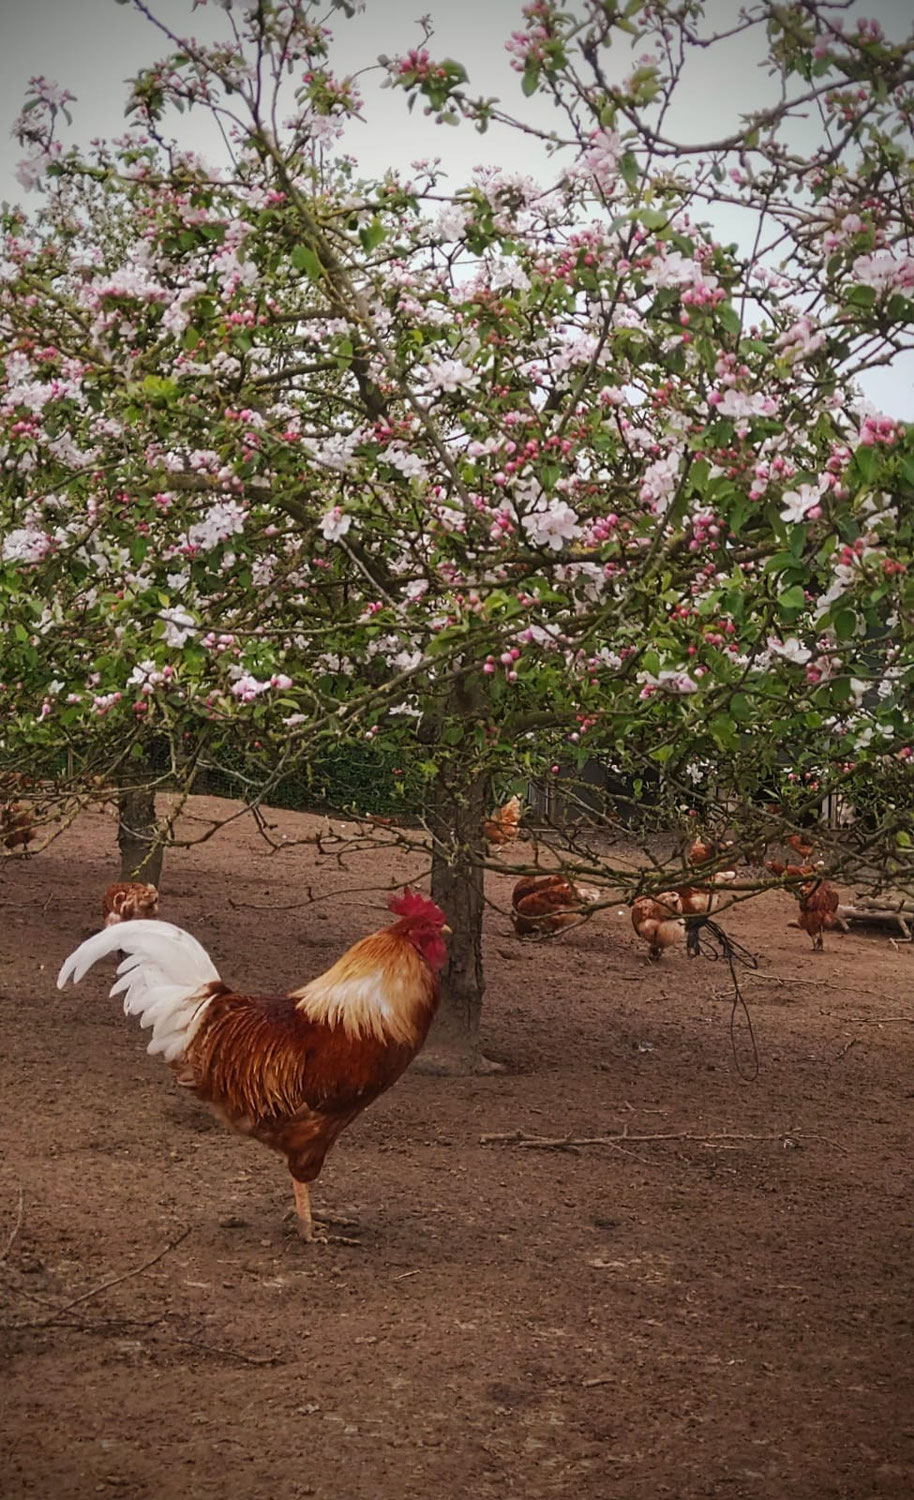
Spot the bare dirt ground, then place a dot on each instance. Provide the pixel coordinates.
(718, 1306)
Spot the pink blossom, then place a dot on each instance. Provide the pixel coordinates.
(885, 270)
(601, 159)
(247, 688)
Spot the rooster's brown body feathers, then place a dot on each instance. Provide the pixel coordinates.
(292, 1083)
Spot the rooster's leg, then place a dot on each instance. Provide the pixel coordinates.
(307, 1228)
(303, 1209)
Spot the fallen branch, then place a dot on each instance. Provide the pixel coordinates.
(898, 904)
(881, 917)
(16, 1227)
(105, 1285)
(875, 1020)
(247, 1359)
(573, 1143)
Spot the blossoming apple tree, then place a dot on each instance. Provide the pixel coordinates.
(504, 475)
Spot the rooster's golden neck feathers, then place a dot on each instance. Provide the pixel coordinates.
(381, 988)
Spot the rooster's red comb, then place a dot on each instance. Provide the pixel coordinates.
(413, 904)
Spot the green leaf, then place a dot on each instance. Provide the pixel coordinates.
(304, 259)
(779, 561)
(792, 598)
(845, 623)
(866, 462)
(738, 515)
(861, 296)
(729, 319)
(628, 166)
(531, 79)
(698, 474)
(372, 234)
(722, 729)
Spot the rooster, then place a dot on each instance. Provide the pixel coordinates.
(290, 1070)
(656, 919)
(17, 826)
(127, 900)
(819, 902)
(542, 904)
(504, 824)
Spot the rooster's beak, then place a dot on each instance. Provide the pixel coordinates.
(449, 931)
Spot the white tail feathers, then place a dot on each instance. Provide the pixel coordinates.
(161, 977)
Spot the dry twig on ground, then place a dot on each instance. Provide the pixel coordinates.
(105, 1285)
(16, 1227)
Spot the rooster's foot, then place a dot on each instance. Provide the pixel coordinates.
(321, 1237)
(316, 1233)
(339, 1220)
(312, 1231)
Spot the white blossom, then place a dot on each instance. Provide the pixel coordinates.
(179, 626)
(885, 270)
(790, 650)
(798, 503)
(449, 375)
(25, 545)
(660, 481)
(410, 465)
(746, 404)
(451, 222)
(335, 524)
(224, 519)
(552, 525)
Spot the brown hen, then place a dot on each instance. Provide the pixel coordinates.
(819, 901)
(503, 825)
(657, 922)
(17, 825)
(546, 903)
(127, 900)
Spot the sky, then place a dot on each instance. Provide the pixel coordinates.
(92, 46)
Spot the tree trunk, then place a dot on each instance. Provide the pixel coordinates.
(137, 834)
(460, 806)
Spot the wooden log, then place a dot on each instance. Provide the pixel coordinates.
(885, 918)
(886, 903)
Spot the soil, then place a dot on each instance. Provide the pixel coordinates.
(717, 1305)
